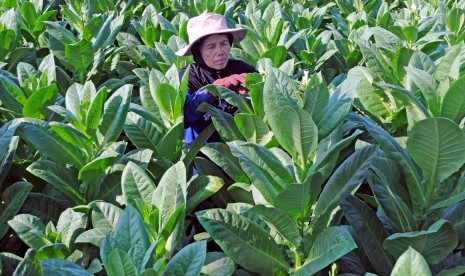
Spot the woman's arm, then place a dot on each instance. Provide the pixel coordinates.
(193, 100)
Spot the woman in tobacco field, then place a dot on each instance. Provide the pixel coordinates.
(210, 42)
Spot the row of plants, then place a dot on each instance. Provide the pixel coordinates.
(346, 156)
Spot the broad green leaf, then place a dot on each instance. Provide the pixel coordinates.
(410, 33)
(394, 208)
(376, 62)
(244, 241)
(231, 97)
(253, 128)
(220, 154)
(393, 150)
(165, 52)
(272, 15)
(456, 271)
(200, 188)
(373, 98)
(7, 156)
(297, 134)
(277, 92)
(94, 236)
(451, 63)
(188, 261)
(277, 54)
(137, 184)
(171, 192)
(386, 39)
(9, 42)
(344, 181)
(256, 96)
(48, 69)
(169, 230)
(62, 267)
(316, 99)
(114, 115)
(30, 230)
(455, 20)
(328, 247)
(44, 207)
(141, 157)
(402, 58)
(48, 143)
(142, 132)
(339, 105)
(11, 95)
(170, 146)
(370, 231)
(72, 136)
(120, 264)
(95, 111)
(130, 236)
(105, 215)
(60, 177)
(60, 33)
(9, 263)
(12, 198)
(70, 225)
(435, 244)
(224, 123)
(97, 166)
(410, 263)
(56, 250)
(428, 88)
(263, 168)
(148, 258)
(448, 201)
(106, 32)
(36, 105)
(198, 143)
(456, 216)
(165, 98)
(437, 145)
(453, 104)
(241, 192)
(295, 198)
(280, 222)
(7, 133)
(110, 187)
(328, 149)
(218, 264)
(80, 55)
(69, 116)
(29, 265)
(422, 61)
(75, 99)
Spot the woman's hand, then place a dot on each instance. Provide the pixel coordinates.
(233, 82)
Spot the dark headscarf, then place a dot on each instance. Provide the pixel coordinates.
(205, 74)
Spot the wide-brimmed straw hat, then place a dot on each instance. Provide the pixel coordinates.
(208, 24)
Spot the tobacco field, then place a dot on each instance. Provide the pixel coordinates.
(346, 157)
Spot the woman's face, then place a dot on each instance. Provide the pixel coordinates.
(215, 51)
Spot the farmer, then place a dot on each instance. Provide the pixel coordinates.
(210, 42)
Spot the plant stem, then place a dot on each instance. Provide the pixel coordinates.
(298, 262)
(429, 192)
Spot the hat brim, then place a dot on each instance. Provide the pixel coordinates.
(237, 34)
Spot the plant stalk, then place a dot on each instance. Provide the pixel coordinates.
(298, 261)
